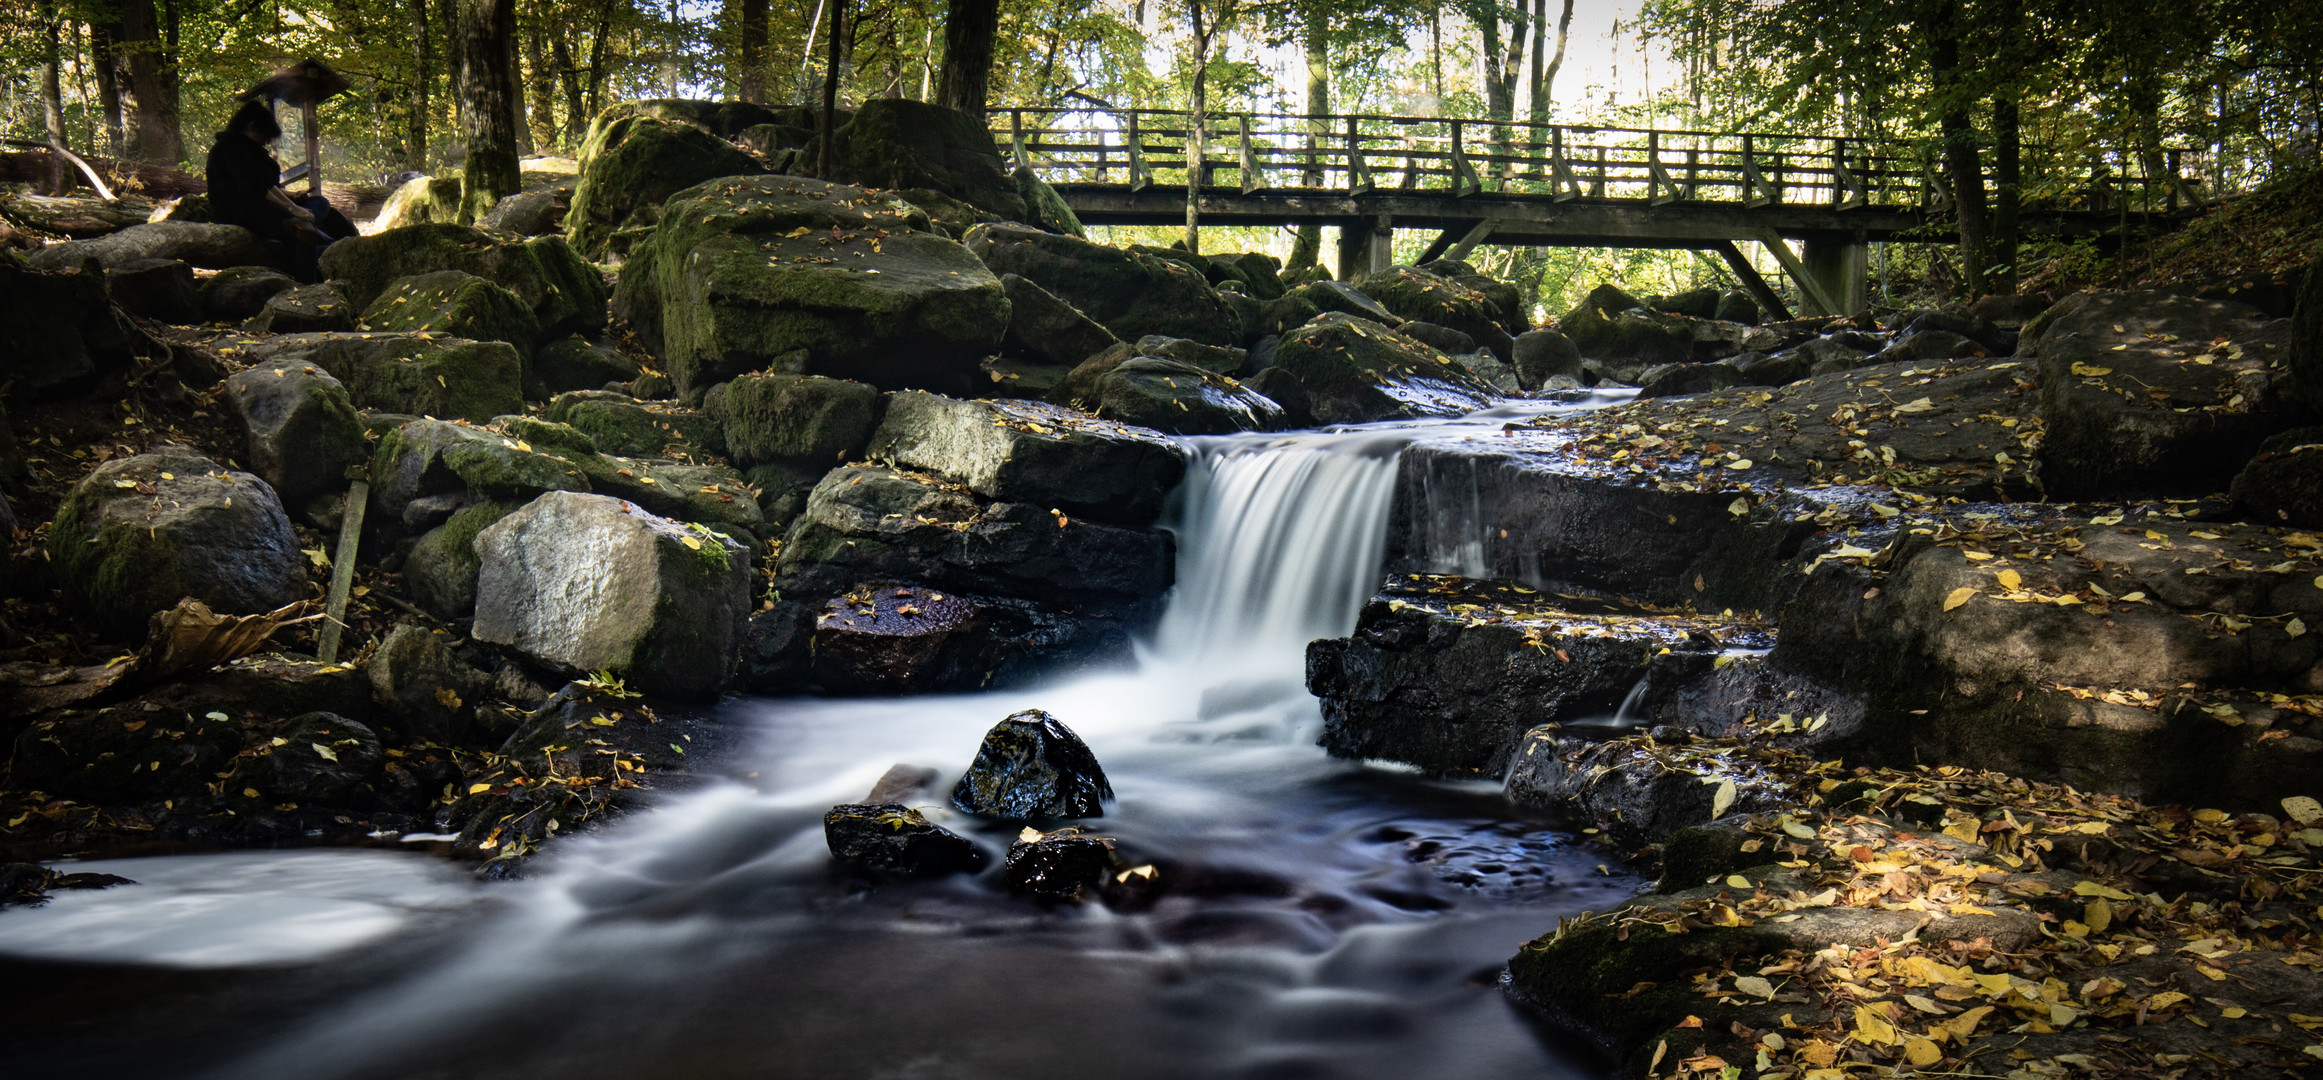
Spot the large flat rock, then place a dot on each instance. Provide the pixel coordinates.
(1035, 453)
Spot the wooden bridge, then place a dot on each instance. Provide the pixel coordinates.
(1510, 182)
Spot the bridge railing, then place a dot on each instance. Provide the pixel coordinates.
(1367, 153)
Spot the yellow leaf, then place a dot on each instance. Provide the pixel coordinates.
(2009, 579)
(2091, 888)
(1922, 1052)
(1959, 596)
(1737, 881)
(1722, 800)
(2302, 809)
(250, 793)
(2086, 371)
(2098, 914)
(690, 542)
(474, 789)
(324, 752)
(1871, 1027)
(1963, 830)
(1739, 507)
(2210, 817)
(1964, 1025)
(1923, 1004)
(1918, 406)
(2295, 627)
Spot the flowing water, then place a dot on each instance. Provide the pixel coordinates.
(1317, 918)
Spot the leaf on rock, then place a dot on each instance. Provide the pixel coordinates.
(1756, 986)
(2303, 809)
(1722, 800)
(1959, 596)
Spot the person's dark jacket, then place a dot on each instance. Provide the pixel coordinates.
(240, 173)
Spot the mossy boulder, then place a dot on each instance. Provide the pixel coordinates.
(1130, 293)
(627, 427)
(631, 164)
(455, 304)
(241, 292)
(300, 432)
(1044, 208)
(424, 458)
(421, 200)
(1181, 399)
(441, 569)
(418, 374)
(805, 419)
(158, 289)
(142, 532)
(567, 295)
(1339, 369)
(576, 363)
(1418, 296)
(713, 495)
(900, 143)
(320, 308)
(1032, 452)
(827, 279)
(1045, 329)
(666, 605)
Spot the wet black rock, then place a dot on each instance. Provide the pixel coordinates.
(319, 757)
(1032, 767)
(1057, 866)
(29, 884)
(2284, 483)
(1542, 355)
(895, 839)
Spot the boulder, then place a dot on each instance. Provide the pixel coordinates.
(316, 757)
(895, 839)
(1781, 369)
(412, 374)
(1221, 359)
(1260, 271)
(299, 429)
(1044, 328)
(1625, 338)
(1059, 867)
(142, 532)
(665, 605)
(441, 569)
(320, 308)
(1541, 355)
(1931, 344)
(1739, 308)
(1507, 304)
(1182, 399)
(624, 426)
(1034, 453)
(422, 200)
(60, 327)
(1043, 207)
(1031, 767)
(575, 363)
(211, 247)
(238, 293)
(2305, 355)
(1443, 339)
(806, 419)
(2147, 392)
(711, 495)
(2010, 312)
(567, 295)
(429, 690)
(821, 279)
(1130, 293)
(2284, 481)
(901, 143)
(890, 638)
(631, 165)
(424, 459)
(1340, 369)
(1493, 371)
(875, 524)
(1679, 379)
(530, 213)
(455, 304)
(1414, 295)
(157, 289)
(1324, 296)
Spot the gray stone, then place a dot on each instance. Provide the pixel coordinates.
(299, 427)
(1030, 452)
(1540, 355)
(142, 532)
(1340, 369)
(665, 605)
(415, 374)
(441, 569)
(1130, 293)
(1182, 399)
(806, 419)
(429, 689)
(240, 292)
(211, 247)
(575, 363)
(457, 304)
(567, 295)
(306, 309)
(1044, 328)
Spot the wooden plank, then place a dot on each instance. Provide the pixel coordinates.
(1768, 299)
(1441, 244)
(1563, 187)
(342, 573)
(1140, 174)
(1808, 286)
(1475, 236)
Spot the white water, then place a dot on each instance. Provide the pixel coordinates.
(1325, 919)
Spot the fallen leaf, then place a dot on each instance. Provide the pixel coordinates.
(1958, 597)
(2009, 579)
(1756, 986)
(1722, 800)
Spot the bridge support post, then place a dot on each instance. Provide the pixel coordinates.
(1366, 247)
(1843, 269)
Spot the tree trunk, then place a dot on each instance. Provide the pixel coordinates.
(52, 99)
(422, 79)
(2008, 191)
(484, 50)
(519, 90)
(838, 9)
(597, 58)
(576, 101)
(1195, 122)
(1503, 67)
(1962, 166)
(1544, 84)
(751, 55)
(807, 53)
(153, 88)
(540, 94)
(1307, 250)
(969, 31)
(103, 33)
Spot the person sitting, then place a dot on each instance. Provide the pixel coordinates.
(246, 190)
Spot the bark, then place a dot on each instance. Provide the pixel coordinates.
(1308, 248)
(484, 51)
(1197, 120)
(153, 86)
(969, 31)
(2008, 191)
(838, 9)
(540, 93)
(1544, 85)
(807, 53)
(52, 99)
(569, 77)
(102, 36)
(751, 53)
(422, 79)
(1962, 167)
(597, 57)
(1503, 66)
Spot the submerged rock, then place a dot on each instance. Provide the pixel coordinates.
(895, 839)
(1061, 866)
(1033, 768)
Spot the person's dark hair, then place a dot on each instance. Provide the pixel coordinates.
(257, 114)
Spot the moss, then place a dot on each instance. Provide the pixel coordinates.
(548, 435)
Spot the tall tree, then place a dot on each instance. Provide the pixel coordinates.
(1209, 20)
(1953, 99)
(104, 63)
(52, 97)
(750, 51)
(415, 138)
(1544, 74)
(1503, 54)
(837, 36)
(150, 47)
(969, 31)
(484, 55)
(1315, 32)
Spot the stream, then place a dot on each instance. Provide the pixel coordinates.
(1316, 918)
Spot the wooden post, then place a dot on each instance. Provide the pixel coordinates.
(1597, 183)
(1809, 287)
(342, 571)
(1482, 232)
(1693, 173)
(1465, 182)
(1382, 250)
(1016, 137)
(1251, 181)
(1755, 191)
(314, 139)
